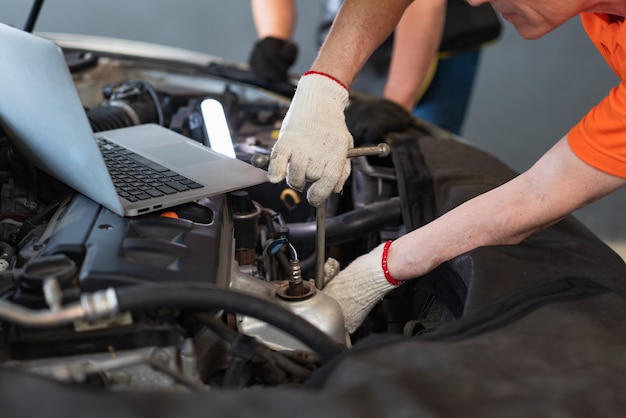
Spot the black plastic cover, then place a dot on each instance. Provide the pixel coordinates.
(117, 251)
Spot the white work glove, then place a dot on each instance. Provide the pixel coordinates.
(359, 287)
(314, 140)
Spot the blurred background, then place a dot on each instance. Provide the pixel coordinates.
(527, 95)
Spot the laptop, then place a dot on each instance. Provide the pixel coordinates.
(41, 112)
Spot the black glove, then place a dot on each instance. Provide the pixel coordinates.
(271, 58)
(369, 120)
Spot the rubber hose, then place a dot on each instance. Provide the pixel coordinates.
(350, 225)
(202, 298)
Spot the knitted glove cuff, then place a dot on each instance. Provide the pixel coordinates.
(312, 72)
(359, 287)
(318, 93)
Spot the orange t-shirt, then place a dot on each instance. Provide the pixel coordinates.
(599, 138)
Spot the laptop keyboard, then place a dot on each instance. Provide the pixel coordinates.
(137, 178)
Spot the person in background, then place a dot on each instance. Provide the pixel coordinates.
(587, 163)
(416, 68)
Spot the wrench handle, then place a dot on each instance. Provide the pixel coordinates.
(260, 160)
(380, 150)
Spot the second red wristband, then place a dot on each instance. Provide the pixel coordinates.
(386, 268)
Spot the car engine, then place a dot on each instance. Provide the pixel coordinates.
(215, 293)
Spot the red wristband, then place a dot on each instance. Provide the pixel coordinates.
(385, 268)
(325, 75)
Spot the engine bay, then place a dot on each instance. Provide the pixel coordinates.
(66, 261)
(217, 307)
(221, 298)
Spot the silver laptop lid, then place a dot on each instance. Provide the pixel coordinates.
(41, 111)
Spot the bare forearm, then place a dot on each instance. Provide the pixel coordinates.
(556, 185)
(359, 28)
(274, 18)
(416, 42)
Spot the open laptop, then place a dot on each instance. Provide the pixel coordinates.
(42, 113)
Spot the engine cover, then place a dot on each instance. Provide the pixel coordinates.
(112, 251)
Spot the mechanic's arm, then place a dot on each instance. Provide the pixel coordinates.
(274, 53)
(416, 43)
(359, 28)
(274, 18)
(555, 186)
(314, 140)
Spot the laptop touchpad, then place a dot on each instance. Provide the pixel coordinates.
(176, 155)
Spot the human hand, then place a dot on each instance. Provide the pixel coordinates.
(313, 142)
(369, 120)
(359, 287)
(272, 57)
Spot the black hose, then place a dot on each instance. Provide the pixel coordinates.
(279, 359)
(350, 225)
(195, 297)
(157, 103)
